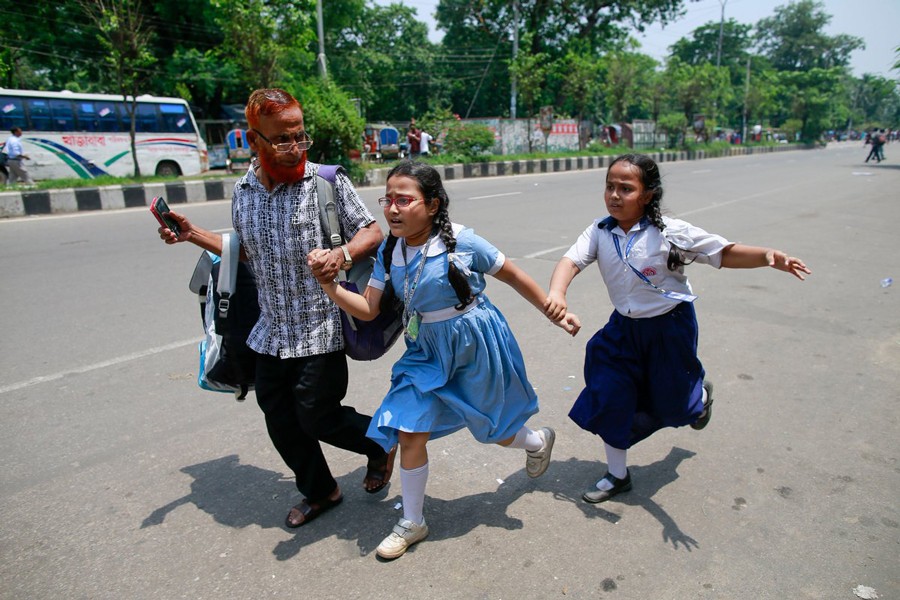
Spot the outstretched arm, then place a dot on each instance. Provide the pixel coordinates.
(740, 256)
(529, 289)
(555, 303)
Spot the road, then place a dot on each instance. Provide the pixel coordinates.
(120, 478)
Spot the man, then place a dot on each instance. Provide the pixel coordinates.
(424, 143)
(301, 373)
(414, 141)
(15, 157)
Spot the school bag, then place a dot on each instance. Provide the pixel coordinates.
(229, 308)
(363, 340)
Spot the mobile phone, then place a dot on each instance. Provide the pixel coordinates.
(160, 210)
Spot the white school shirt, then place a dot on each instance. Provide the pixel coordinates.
(647, 249)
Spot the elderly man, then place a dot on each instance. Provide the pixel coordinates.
(301, 373)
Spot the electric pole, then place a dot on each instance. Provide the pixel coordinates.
(320, 59)
(721, 29)
(515, 51)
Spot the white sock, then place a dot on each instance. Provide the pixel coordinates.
(527, 439)
(616, 465)
(704, 397)
(412, 485)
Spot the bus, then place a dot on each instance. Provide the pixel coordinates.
(67, 134)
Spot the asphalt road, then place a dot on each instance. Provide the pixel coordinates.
(120, 478)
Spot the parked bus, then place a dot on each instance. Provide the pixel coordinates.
(87, 135)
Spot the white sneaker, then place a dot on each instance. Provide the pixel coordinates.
(405, 534)
(538, 460)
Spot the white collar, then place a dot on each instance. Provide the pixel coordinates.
(436, 247)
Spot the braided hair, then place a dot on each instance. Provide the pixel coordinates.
(652, 182)
(429, 183)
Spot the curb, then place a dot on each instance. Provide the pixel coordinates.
(47, 202)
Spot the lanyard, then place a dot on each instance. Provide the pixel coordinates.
(409, 292)
(671, 295)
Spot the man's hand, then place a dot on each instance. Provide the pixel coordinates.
(169, 237)
(325, 264)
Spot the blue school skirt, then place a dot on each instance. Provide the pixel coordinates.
(641, 375)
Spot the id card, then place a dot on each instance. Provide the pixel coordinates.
(679, 296)
(412, 327)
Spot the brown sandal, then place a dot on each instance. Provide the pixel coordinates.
(380, 472)
(309, 511)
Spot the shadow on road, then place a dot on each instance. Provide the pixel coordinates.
(235, 495)
(648, 480)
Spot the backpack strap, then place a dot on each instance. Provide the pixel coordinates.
(231, 249)
(325, 179)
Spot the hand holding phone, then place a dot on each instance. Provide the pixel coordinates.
(160, 210)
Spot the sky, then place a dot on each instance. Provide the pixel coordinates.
(876, 21)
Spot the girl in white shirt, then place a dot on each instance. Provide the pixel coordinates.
(641, 369)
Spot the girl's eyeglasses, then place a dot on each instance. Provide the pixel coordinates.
(399, 201)
(301, 140)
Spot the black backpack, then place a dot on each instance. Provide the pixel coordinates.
(229, 307)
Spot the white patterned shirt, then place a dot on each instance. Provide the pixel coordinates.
(277, 230)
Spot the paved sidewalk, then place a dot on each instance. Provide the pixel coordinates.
(44, 202)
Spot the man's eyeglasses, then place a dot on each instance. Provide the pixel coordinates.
(301, 140)
(399, 201)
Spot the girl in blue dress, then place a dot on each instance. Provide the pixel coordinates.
(462, 366)
(641, 369)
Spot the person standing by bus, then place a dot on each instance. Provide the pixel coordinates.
(16, 156)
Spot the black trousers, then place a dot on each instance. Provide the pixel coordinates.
(301, 400)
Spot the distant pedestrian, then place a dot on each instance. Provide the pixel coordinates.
(414, 140)
(15, 158)
(641, 369)
(424, 143)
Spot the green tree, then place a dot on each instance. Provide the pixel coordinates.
(531, 72)
(809, 95)
(330, 118)
(697, 89)
(384, 58)
(265, 39)
(127, 41)
(793, 39)
(703, 45)
(627, 85)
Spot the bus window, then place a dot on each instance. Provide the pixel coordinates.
(39, 114)
(12, 113)
(146, 119)
(108, 116)
(63, 115)
(175, 118)
(87, 118)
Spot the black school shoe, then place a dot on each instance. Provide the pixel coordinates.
(706, 415)
(595, 496)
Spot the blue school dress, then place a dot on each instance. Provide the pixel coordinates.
(465, 368)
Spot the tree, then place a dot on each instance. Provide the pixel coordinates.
(385, 59)
(697, 89)
(703, 45)
(581, 87)
(627, 85)
(265, 39)
(531, 72)
(809, 94)
(553, 29)
(330, 119)
(793, 39)
(127, 42)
